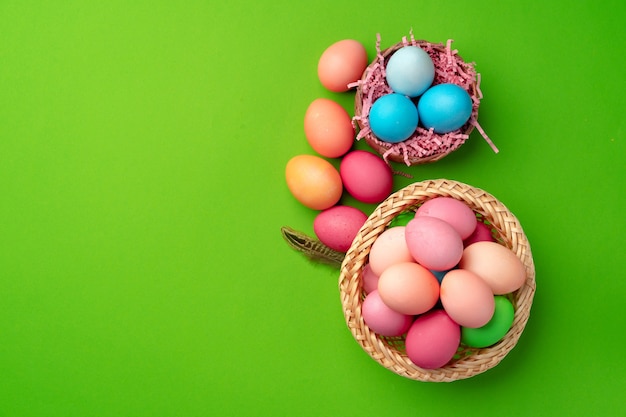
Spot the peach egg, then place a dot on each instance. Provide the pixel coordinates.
(328, 128)
(342, 63)
(408, 288)
(466, 298)
(388, 249)
(496, 264)
(313, 181)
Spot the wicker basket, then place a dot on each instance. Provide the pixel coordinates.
(389, 352)
(423, 146)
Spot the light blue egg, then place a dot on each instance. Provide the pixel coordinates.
(444, 107)
(410, 71)
(393, 118)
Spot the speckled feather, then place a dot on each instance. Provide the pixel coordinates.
(312, 248)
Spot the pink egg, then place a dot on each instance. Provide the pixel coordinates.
(370, 279)
(366, 176)
(432, 340)
(388, 249)
(496, 264)
(482, 233)
(408, 288)
(433, 243)
(383, 320)
(466, 298)
(454, 212)
(337, 226)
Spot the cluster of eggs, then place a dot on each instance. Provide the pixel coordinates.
(312, 179)
(413, 99)
(437, 277)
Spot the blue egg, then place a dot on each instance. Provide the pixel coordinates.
(440, 274)
(393, 118)
(410, 71)
(444, 107)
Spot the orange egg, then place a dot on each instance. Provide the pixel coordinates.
(328, 128)
(313, 181)
(342, 63)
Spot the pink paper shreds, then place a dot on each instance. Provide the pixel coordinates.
(424, 145)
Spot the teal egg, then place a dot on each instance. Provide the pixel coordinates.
(444, 108)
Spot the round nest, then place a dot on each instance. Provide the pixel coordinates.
(389, 351)
(424, 145)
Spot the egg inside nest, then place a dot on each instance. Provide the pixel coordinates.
(424, 145)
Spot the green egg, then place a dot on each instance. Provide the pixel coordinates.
(402, 219)
(495, 329)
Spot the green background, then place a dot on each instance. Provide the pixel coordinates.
(142, 155)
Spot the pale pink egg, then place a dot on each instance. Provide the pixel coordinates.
(454, 212)
(366, 176)
(466, 298)
(433, 243)
(328, 128)
(381, 319)
(370, 279)
(408, 288)
(432, 340)
(336, 227)
(496, 264)
(342, 63)
(388, 249)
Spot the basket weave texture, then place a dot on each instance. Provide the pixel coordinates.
(388, 352)
(423, 146)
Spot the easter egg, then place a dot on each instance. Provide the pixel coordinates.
(454, 212)
(433, 243)
(328, 128)
(466, 298)
(495, 329)
(388, 249)
(480, 234)
(313, 181)
(408, 288)
(496, 264)
(444, 108)
(370, 279)
(393, 118)
(432, 340)
(366, 176)
(382, 319)
(337, 226)
(410, 71)
(342, 63)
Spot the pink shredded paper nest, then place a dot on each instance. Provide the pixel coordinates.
(424, 145)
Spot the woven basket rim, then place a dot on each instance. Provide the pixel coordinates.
(509, 233)
(381, 147)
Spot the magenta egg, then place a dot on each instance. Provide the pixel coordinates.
(482, 233)
(337, 226)
(366, 177)
(432, 340)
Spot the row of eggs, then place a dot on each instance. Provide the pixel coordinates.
(312, 179)
(410, 72)
(411, 289)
